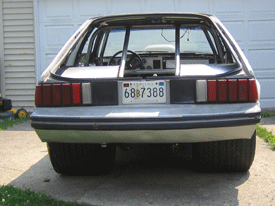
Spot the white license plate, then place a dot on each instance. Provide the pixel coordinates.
(143, 92)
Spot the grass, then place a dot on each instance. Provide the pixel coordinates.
(266, 136)
(4, 124)
(267, 114)
(11, 196)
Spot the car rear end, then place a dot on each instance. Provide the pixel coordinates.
(172, 96)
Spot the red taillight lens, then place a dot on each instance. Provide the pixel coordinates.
(60, 95)
(232, 90)
(66, 94)
(212, 90)
(229, 90)
(38, 96)
(243, 89)
(47, 95)
(222, 90)
(76, 93)
(253, 93)
(57, 95)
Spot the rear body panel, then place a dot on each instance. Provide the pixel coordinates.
(147, 123)
(208, 94)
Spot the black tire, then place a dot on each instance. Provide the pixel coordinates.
(81, 159)
(224, 156)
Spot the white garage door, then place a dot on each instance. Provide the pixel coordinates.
(252, 23)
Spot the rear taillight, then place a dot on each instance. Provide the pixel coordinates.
(253, 93)
(76, 88)
(66, 94)
(227, 90)
(38, 96)
(212, 90)
(49, 95)
(232, 90)
(57, 95)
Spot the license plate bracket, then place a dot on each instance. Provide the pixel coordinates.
(144, 92)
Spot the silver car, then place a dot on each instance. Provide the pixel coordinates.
(157, 78)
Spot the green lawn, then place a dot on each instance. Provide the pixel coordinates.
(4, 124)
(265, 135)
(11, 196)
(267, 114)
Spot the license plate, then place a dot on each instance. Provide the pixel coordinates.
(143, 92)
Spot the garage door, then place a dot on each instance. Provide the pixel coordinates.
(252, 24)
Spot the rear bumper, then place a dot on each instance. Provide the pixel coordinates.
(162, 124)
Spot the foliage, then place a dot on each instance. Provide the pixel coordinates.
(265, 135)
(12, 196)
(267, 114)
(4, 124)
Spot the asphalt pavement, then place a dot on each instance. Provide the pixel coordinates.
(138, 178)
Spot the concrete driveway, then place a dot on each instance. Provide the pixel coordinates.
(138, 178)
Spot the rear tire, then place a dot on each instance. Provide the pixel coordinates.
(225, 156)
(81, 159)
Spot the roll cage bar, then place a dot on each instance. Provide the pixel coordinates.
(104, 32)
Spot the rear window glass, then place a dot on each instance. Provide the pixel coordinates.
(150, 49)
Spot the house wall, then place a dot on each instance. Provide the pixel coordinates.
(18, 74)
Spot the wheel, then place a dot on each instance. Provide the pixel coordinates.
(133, 63)
(21, 113)
(81, 159)
(225, 156)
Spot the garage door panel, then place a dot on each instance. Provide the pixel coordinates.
(267, 93)
(122, 6)
(254, 6)
(267, 88)
(236, 29)
(57, 36)
(46, 59)
(265, 74)
(193, 6)
(260, 31)
(87, 8)
(57, 9)
(157, 6)
(49, 58)
(268, 103)
(225, 7)
(262, 59)
(43, 63)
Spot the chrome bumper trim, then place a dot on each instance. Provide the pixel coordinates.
(147, 136)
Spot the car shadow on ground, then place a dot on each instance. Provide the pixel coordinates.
(141, 176)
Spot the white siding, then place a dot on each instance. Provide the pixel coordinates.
(18, 62)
